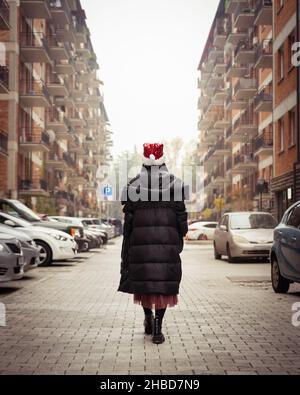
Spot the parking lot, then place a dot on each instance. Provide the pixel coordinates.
(68, 318)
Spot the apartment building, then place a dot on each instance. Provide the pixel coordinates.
(286, 182)
(236, 136)
(58, 129)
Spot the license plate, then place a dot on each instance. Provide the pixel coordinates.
(20, 261)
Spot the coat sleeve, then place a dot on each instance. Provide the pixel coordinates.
(182, 219)
(126, 235)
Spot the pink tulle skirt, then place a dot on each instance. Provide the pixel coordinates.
(157, 302)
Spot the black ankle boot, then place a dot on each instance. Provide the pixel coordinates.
(158, 337)
(148, 324)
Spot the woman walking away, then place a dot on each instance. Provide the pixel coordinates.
(154, 229)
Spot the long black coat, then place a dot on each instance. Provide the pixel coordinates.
(153, 233)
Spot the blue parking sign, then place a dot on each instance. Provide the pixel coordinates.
(107, 191)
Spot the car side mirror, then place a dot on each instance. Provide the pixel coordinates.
(224, 228)
(10, 223)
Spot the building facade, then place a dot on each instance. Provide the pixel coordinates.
(53, 119)
(286, 182)
(240, 103)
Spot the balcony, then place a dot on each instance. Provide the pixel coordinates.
(245, 89)
(220, 66)
(243, 16)
(236, 104)
(236, 70)
(263, 13)
(36, 9)
(243, 163)
(232, 4)
(263, 101)
(245, 126)
(3, 143)
(58, 49)
(60, 12)
(4, 79)
(264, 55)
(29, 188)
(219, 37)
(57, 122)
(4, 15)
(236, 36)
(222, 123)
(91, 142)
(80, 65)
(244, 54)
(222, 150)
(57, 162)
(70, 162)
(34, 48)
(34, 140)
(33, 93)
(220, 96)
(263, 145)
(76, 120)
(65, 67)
(85, 50)
(57, 86)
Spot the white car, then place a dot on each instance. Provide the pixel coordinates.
(11, 259)
(202, 231)
(53, 244)
(244, 235)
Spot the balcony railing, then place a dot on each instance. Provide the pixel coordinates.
(33, 87)
(3, 143)
(264, 141)
(261, 5)
(245, 83)
(4, 76)
(4, 14)
(28, 185)
(264, 98)
(34, 40)
(243, 159)
(242, 46)
(34, 136)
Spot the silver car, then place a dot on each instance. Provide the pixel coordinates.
(11, 258)
(29, 248)
(244, 235)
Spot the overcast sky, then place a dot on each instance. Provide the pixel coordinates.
(149, 52)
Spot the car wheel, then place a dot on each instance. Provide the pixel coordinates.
(280, 284)
(45, 253)
(217, 255)
(230, 258)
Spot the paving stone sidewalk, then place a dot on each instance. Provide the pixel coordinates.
(69, 319)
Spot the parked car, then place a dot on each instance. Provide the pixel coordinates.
(28, 245)
(244, 235)
(285, 253)
(11, 258)
(117, 223)
(52, 244)
(96, 223)
(201, 231)
(19, 210)
(90, 234)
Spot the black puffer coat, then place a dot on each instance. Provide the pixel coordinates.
(153, 233)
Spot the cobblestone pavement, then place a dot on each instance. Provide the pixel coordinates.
(69, 319)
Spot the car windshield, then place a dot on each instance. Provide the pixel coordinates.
(24, 209)
(18, 221)
(252, 221)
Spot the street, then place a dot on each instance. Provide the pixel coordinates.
(69, 319)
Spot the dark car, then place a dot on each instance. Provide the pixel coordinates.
(117, 223)
(285, 253)
(17, 209)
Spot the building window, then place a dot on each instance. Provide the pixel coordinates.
(281, 64)
(281, 135)
(292, 40)
(280, 4)
(292, 128)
